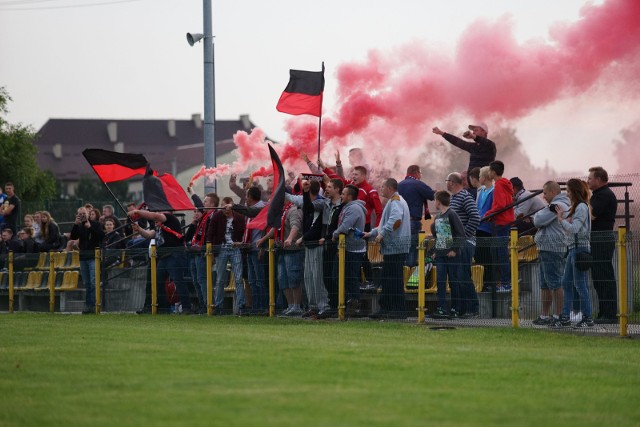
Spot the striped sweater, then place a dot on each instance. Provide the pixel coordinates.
(464, 205)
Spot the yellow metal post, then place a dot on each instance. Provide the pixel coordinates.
(51, 285)
(97, 267)
(421, 284)
(622, 275)
(515, 309)
(272, 278)
(209, 260)
(52, 282)
(154, 280)
(11, 282)
(341, 271)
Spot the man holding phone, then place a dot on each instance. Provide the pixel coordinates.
(552, 245)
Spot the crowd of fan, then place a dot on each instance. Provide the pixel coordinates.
(474, 218)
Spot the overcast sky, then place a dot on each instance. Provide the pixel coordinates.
(130, 60)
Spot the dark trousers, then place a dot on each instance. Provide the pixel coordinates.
(392, 297)
(331, 273)
(353, 262)
(172, 265)
(603, 246)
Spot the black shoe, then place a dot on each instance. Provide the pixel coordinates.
(586, 322)
(439, 314)
(353, 307)
(312, 312)
(88, 310)
(542, 321)
(324, 314)
(218, 311)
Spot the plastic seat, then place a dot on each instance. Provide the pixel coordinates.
(430, 284)
(527, 249)
(69, 281)
(33, 280)
(477, 276)
(59, 277)
(74, 260)
(44, 282)
(19, 279)
(43, 261)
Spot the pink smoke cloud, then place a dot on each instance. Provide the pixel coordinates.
(627, 150)
(392, 99)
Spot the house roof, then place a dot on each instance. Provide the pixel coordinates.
(61, 141)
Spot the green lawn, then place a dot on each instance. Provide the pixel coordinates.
(127, 370)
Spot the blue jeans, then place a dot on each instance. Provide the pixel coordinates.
(501, 252)
(88, 273)
(578, 279)
(468, 293)
(448, 267)
(257, 280)
(200, 262)
(551, 269)
(290, 269)
(232, 255)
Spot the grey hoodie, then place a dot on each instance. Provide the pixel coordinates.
(550, 235)
(352, 216)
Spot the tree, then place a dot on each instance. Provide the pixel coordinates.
(18, 154)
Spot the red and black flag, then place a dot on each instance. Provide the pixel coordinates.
(303, 94)
(164, 193)
(272, 215)
(111, 166)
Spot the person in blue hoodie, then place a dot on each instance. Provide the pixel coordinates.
(351, 222)
(484, 200)
(552, 245)
(394, 235)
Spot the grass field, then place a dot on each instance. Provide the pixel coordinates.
(128, 370)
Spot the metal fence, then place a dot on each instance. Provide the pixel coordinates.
(352, 285)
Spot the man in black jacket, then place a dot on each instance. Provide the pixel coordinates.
(482, 150)
(603, 242)
(89, 235)
(313, 265)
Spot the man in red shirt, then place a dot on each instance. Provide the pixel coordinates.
(502, 219)
(366, 193)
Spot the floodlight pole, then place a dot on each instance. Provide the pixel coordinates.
(209, 96)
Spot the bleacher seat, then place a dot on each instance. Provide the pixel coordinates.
(44, 282)
(43, 261)
(527, 249)
(58, 279)
(33, 280)
(477, 276)
(4, 280)
(430, 284)
(19, 279)
(69, 281)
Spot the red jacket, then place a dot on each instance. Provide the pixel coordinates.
(367, 194)
(502, 197)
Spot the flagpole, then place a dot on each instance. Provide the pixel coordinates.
(320, 118)
(117, 201)
(319, 130)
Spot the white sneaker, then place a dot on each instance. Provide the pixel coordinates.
(575, 317)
